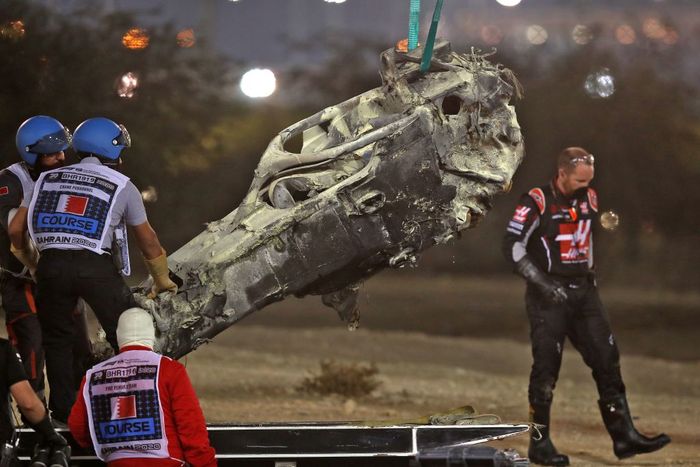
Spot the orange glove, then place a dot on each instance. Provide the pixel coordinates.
(158, 268)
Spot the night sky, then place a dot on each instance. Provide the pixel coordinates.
(258, 31)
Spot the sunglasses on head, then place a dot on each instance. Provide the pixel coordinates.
(587, 159)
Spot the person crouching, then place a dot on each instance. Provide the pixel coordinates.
(139, 406)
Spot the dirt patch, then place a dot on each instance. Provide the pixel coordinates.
(652, 322)
(451, 341)
(250, 373)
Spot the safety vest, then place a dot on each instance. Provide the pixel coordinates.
(72, 206)
(124, 408)
(25, 179)
(20, 171)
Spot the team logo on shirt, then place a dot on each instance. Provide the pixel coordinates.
(574, 241)
(4, 190)
(123, 407)
(520, 215)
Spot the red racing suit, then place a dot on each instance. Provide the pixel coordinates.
(185, 428)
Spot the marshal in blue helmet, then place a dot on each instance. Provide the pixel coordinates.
(101, 137)
(40, 141)
(79, 217)
(40, 136)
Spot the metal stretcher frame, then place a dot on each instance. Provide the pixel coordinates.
(321, 440)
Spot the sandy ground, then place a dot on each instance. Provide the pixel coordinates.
(448, 342)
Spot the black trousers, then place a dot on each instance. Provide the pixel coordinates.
(23, 328)
(63, 276)
(583, 320)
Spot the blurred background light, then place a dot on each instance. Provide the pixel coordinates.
(653, 28)
(508, 2)
(610, 220)
(581, 34)
(625, 34)
(334, 1)
(150, 194)
(536, 34)
(13, 30)
(491, 34)
(258, 82)
(127, 84)
(135, 39)
(670, 36)
(186, 38)
(402, 45)
(600, 84)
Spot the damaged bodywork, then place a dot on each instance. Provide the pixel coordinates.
(380, 178)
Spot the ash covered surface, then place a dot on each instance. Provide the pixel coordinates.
(380, 178)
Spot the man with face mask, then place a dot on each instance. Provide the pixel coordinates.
(77, 216)
(549, 242)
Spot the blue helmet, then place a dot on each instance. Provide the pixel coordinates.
(101, 137)
(41, 135)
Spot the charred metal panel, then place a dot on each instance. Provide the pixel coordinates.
(380, 178)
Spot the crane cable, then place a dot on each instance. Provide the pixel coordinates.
(430, 42)
(413, 24)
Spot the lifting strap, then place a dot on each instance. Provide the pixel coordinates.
(413, 24)
(428, 49)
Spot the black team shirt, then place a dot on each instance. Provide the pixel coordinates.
(11, 372)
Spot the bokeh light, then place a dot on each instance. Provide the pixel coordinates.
(671, 36)
(258, 82)
(150, 194)
(653, 28)
(491, 34)
(600, 84)
(582, 34)
(610, 220)
(401, 46)
(135, 39)
(509, 2)
(13, 30)
(127, 84)
(186, 38)
(536, 34)
(625, 34)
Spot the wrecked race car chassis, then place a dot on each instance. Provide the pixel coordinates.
(380, 178)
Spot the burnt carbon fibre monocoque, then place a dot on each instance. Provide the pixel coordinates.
(380, 178)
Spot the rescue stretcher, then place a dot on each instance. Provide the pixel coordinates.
(335, 444)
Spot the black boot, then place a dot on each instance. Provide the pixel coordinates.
(627, 441)
(541, 450)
